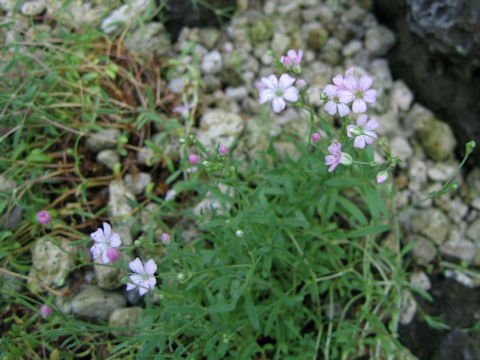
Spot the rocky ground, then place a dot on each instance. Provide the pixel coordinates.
(334, 35)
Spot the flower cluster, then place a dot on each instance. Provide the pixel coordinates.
(106, 245)
(348, 95)
(349, 91)
(279, 90)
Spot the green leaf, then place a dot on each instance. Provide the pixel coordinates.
(275, 309)
(221, 308)
(369, 231)
(251, 312)
(353, 210)
(342, 182)
(36, 155)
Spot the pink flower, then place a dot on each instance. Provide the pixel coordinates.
(315, 137)
(333, 104)
(44, 217)
(165, 238)
(382, 176)
(183, 109)
(278, 91)
(142, 277)
(45, 310)
(113, 254)
(292, 58)
(336, 156)
(301, 83)
(228, 47)
(357, 91)
(364, 131)
(104, 240)
(193, 158)
(223, 150)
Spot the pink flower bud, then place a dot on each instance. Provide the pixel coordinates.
(165, 238)
(315, 137)
(193, 158)
(45, 310)
(44, 217)
(223, 150)
(382, 176)
(301, 83)
(228, 47)
(113, 254)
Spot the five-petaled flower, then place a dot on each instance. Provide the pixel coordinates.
(293, 58)
(104, 239)
(364, 131)
(143, 277)
(278, 90)
(334, 104)
(357, 91)
(337, 156)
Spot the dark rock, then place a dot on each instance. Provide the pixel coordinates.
(457, 307)
(180, 13)
(438, 55)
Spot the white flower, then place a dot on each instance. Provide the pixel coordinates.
(104, 239)
(143, 277)
(278, 91)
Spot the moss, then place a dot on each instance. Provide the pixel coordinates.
(317, 38)
(261, 31)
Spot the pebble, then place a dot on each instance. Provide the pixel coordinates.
(212, 63)
(33, 8)
(96, 303)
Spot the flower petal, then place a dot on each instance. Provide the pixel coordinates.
(291, 94)
(136, 266)
(292, 54)
(370, 96)
(278, 104)
(142, 291)
(285, 81)
(115, 240)
(330, 159)
(350, 83)
(359, 142)
(372, 124)
(345, 96)
(270, 81)
(362, 120)
(299, 57)
(98, 236)
(97, 249)
(131, 286)
(343, 109)
(150, 267)
(331, 168)
(107, 230)
(331, 107)
(338, 80)
(335, 148)
(152, 282)
(359, 106)
(349, 128)
(266, 95)
(105, 258)
(365, 82)
(330, 90)
(136, 279)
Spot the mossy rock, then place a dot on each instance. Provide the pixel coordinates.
(231, 76)
(436, 137)
(261, 31)
(317, 37)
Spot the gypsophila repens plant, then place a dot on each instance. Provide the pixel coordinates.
(286, 263)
